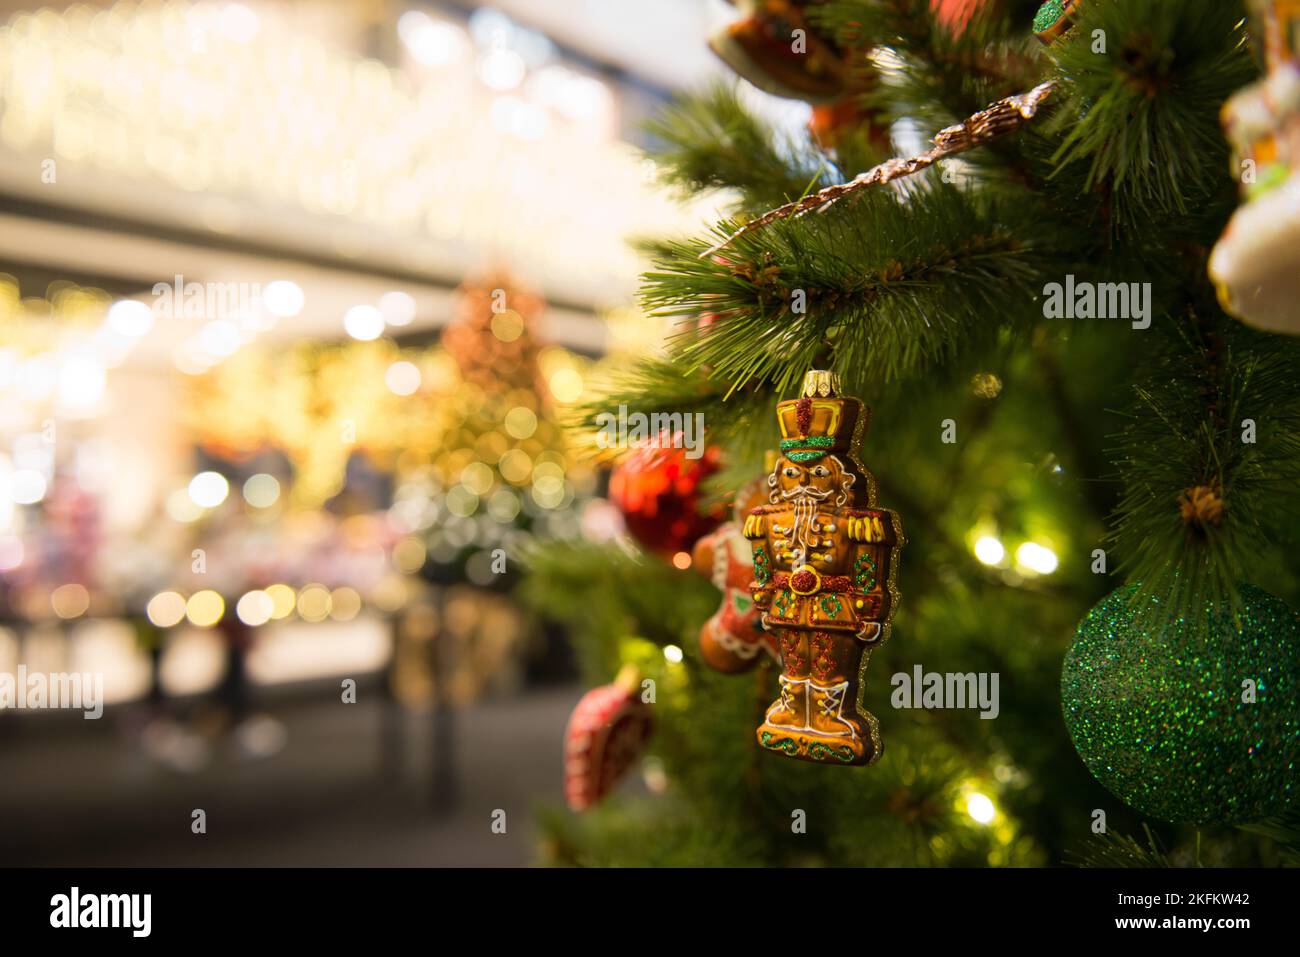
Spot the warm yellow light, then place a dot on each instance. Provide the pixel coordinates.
(567, 385)
(70, 601)
(26, 486)
(390, 594)
(209, 489)
(516, 466)
(130, 317)
(408, 555)
(989, 550)
(672, 654)
(521, 422)
(461, 501)
(205, 608)
(402, 378)
(503, 506)
(181, 508)
(979, 807)
(309, 158)
(397, 308)
(255, 608)
(364, 322)
(283, 600)
(477, 477)
(682, 560)
(283, 298)
(166, 609)
(314, 603)
(548, 491)
(345, 604)
(507, 326)
(1036, 558)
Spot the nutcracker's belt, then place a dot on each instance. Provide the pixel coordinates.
(831, 583)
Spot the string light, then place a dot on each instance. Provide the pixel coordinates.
(130, 317)
(397, 307)
(26, 487)
(283, 600)
(205, 608)
(283, 298)
(70, 601)
(980, 808)
(254, 608)
(364, 322)
(166, 609)
(261, 490)
(415, 153)
(1036, 558)
(314, 603)
(403, 378)
(989, 550)
(208, 489)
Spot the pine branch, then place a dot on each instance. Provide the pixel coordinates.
(934, 75)
(739, 421)
(1144, 114)
(1119, 850)
(886, 285)
(1284, 832)
(710, 141)
(994, 121)
(1201, 504)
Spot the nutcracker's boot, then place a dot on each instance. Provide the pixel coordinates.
(837, 734)
(833, 717)
(790, 711)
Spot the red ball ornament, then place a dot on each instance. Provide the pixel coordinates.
(607, 732)
(658, 491)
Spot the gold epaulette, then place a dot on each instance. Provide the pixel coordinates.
(866, 528)
(754, 526)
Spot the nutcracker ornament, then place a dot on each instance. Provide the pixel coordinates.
(1254, 265)
(825, 558)
(774, 47)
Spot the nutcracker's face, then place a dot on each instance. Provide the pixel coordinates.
(819, 480)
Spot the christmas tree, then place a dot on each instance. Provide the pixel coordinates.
(1090, 441)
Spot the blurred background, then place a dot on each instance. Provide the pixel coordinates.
(294, 297)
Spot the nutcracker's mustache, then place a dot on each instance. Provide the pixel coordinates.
(806, 500)
(806, 492)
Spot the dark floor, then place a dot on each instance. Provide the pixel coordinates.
(343, 791)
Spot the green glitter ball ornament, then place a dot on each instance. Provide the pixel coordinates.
(1163, 718)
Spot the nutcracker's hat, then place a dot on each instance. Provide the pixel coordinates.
(821, 421)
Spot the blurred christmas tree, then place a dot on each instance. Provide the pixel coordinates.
(1045, 441)
(503, 468)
